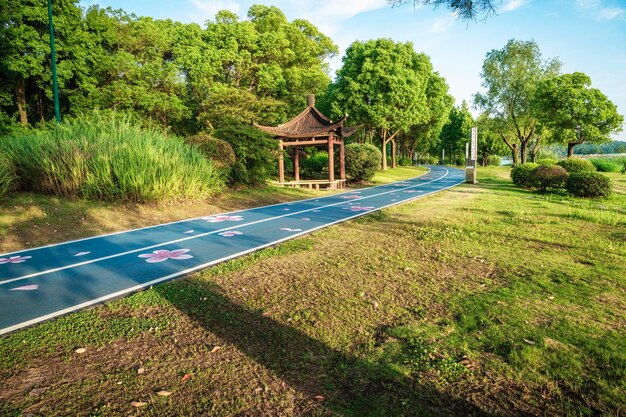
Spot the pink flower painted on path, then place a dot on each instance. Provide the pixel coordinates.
(230, 233)
(288, 229)
(163, 255)
(26, 288)
(350, 196)
(358, 208)
(306, 219)
(14, 259)
(223, 218)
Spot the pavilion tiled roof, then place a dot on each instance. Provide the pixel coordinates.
(309, 124)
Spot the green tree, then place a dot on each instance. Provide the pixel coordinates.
(510, 76)
(438, 105)
(456, 132)
(576, 112)
(489, 142)
(382, 84)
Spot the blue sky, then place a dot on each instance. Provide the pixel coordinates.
(586, 35)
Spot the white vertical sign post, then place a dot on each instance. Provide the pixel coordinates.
(470, 166)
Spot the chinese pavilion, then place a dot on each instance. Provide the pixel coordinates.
(311, 128)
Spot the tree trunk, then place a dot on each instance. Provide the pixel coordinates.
(523, 150)
(20, 96)
(383, 149)
(393, 154)
(570, 149)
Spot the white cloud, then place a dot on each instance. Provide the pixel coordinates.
(599, 11)
(443, 24)
(511, 5)
(211, 7)
(610, 13)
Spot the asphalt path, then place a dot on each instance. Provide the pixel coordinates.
(41, 283)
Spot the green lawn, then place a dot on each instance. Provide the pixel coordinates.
(480, 300)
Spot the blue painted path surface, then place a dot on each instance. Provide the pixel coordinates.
(41, 283)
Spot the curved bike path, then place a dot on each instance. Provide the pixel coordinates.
(45, 282)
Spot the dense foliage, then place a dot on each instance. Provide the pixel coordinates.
(393, 92)
(575, 112)
(548, 176)
(577, 165)
(521, 174)
(362, 161)
(217, 150)
(589, 185)
(179, 76)
(256, 153)
(314, 164)
(7, 175)
(109, 158)
(511, 76)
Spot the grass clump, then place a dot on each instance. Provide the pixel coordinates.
(109, 158)
(7, 175)
(609, 164)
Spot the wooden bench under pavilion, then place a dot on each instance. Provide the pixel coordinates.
(311, 128)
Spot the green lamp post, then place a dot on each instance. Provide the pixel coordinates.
(55, 85)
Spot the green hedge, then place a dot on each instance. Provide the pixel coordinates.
(315, 164)
(362, 161)
(494, 161)
(108, 157)
(572, 165)
(589, 185)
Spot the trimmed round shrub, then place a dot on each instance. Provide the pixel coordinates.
(544, 177)
(362, 161)
(493, 161)
(589, 185)
(546, 162)
(608, 165)
(217, 150)
(520, 174)
(405, 162)
(572, 165)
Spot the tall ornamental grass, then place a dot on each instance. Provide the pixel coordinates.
(109, 158)
(7, 175)
(614, 164)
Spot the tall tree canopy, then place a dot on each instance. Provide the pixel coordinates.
(575, 112)
(180, 76)
(382, 85)
(456, 132)
(510, 77)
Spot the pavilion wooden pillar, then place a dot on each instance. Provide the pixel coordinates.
(331, 157)
(281, 163)
(342, 161)
(296, 163)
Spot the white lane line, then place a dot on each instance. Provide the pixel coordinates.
(68, 242)
(205, 265)
(61, 268)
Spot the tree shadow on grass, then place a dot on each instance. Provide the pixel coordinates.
(350, 386)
